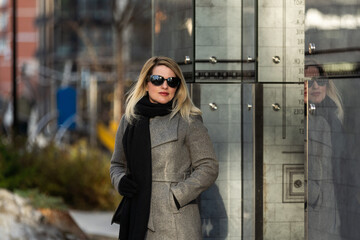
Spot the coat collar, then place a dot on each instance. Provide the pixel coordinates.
(163, 129)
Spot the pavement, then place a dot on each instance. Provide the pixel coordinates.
(95, 223)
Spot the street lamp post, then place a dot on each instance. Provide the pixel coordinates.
(14, 67)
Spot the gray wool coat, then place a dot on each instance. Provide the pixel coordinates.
(323, 215)
(183, 165)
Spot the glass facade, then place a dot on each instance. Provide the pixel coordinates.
(173, 32)
(206, 41)
(332, 74)
(227, 208)
(288, 164)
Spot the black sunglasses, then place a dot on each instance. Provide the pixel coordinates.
(321, 81)
(158, 80)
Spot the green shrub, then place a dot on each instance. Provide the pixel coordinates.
(78, 174)
(41, 200)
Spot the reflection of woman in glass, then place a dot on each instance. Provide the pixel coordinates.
(325, 147)
(163, 157)
(323, 93)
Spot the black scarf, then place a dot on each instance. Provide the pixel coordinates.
(137, 147)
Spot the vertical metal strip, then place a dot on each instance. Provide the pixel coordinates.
(242, 41)
(194, 39)
(14, 67)
(259, 161)
(306, 151)
(283, 111)
(284, 73)
(242, 117)
(152, 28)
(242, 156)
(258, 137)
(256, 33)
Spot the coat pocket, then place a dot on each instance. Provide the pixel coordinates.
(172, 204)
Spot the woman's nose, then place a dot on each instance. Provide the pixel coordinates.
(164, 85)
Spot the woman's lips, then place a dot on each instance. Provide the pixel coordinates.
(315, 94)
(163, 93)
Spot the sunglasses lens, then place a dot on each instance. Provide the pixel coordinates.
(322, 81)
(156, 80)
(173, 82)
(319, 81)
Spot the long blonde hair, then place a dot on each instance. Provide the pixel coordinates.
(334, 94)
(182, 102)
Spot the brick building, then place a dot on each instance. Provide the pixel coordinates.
(26, 43)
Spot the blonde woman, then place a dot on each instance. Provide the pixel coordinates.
(326, 154)
(322, 91)
(163, 157)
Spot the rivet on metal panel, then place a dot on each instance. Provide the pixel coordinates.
(312, 48)
(213, 59)
(213, 106)
(276, 59)
(276, 106)
(187, 59)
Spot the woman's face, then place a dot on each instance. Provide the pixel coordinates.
(163, 93)
(316, 92)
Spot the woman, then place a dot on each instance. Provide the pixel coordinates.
(325, 149)
(324, 94)
(163, 157)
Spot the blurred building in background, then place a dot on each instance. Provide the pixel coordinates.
(5, 49)
(80, 57)
(76, 52)
(27, 63)
(88, 46)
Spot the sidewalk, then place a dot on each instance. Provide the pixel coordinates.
(96, 223)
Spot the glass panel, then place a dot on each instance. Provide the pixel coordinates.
(247, 170)
(332, 29)
(248, 51)
(283, 161)
(173, 32)
(332, 70)
(224, 40)
(281, 41)
(333, 158)
(227, 207)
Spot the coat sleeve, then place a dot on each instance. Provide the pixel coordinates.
(118, 164)
(204, 163)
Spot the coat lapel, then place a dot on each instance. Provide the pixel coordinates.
(166, 130)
